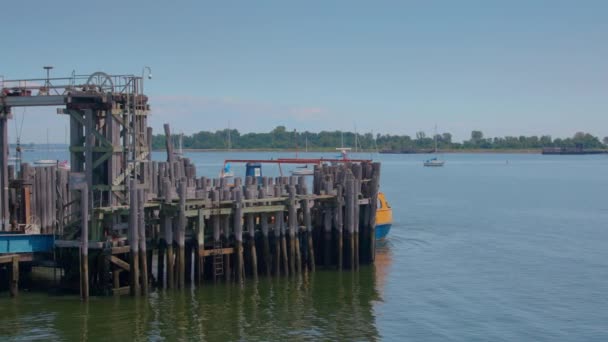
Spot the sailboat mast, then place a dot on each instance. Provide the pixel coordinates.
(435, 136)
(229, 141)
(356, 139)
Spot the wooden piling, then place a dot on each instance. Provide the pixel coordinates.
(218, 265)
(168, 225)
(357, 178)
(14, 276)
(349, 225)
(292, 226)
(143, 255)
(181, 235)
(160, 261)
(250, 220)
(225, 224)
(265, 238)
(338, 216)
(84, 243)
(305, 205)
(238, 233)
(200, 243)
(134, 238)
(373, 193)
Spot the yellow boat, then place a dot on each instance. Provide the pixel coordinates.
(384, 217)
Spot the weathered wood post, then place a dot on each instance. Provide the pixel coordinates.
(14, 276)
(200, 249)
(143, 257)
(265, 240)
(357, 177)
(238, 233)
(305, 204)
(168, 224)
(225, 223)
(327, 224)
(349, 219)
(374, 189)
(181, 235)
(218, 267)
(4, 213)
(338, 216)
(253, 257)
(170, 154)
(293, 227)
(133, 238)
(84, 241)
(279, 231)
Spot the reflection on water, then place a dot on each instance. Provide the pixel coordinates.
(326, 304)
(480, 250)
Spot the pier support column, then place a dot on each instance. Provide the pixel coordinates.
(250, 219)
(238, 234)
(84, 242)
(14, 276)
(293, 226)
(143, 255)
(134, 238)
(218, 264)
(181, 235)
(374, 189)
(168, 230)
(349, 219)
(4, 214)
(305, 204)
(265, 240)
(338, 216)
(200, 241)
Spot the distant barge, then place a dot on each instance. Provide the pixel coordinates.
(571, 151)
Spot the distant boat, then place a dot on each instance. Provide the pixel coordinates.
(226, 171)
(434, 162)
(303, 171)
(45, 162)
(64, 165)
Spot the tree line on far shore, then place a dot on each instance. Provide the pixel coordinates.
(281, 138)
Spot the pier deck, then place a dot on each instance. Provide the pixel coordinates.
(116, 209)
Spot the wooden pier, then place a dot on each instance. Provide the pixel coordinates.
(124, 223)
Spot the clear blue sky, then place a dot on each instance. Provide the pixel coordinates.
(503, 67)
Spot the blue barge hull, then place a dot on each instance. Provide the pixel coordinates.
(25, 243)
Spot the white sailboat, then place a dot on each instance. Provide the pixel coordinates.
(434, 162)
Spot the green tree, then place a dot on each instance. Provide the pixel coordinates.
(446, 138)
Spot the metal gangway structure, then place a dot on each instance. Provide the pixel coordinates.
(109, 137)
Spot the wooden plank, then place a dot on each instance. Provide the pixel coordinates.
(8, 258)
(220, 251)
(121, 291)
(120, 263)
(121, 249)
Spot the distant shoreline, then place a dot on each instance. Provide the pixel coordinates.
(463, 151)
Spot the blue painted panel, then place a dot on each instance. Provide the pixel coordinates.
(25, 243)
(382, 230)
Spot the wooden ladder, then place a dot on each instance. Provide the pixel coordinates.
(218, 259)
